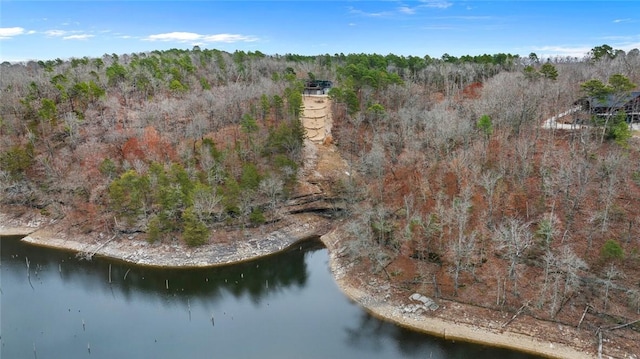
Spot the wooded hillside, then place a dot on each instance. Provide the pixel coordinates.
(457, 189)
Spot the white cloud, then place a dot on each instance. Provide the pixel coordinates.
(407, 10)
(582, 51)
(617, 21)
(55, 33)
(78, 37)
(175, 36)
(622, 42)
(403, 9)
(369, 14)
(439, 4)
(562, 51)
(229, 38)
(199, 38)
(628, 46)
(8, 32)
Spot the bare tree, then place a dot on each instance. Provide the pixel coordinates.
(634, 299)
(611, 275)
(374, 161)
(489, 180)
(609, 179)
(71, 126)
(197, 128)
(524, 150)
(571, 265)
(463, 254)
(511, 102)
(549, 260)
(373, 164)
(372, 235)
(562, 277)
(205, 202)
(513, 238)
(271, 187)
(462, 244)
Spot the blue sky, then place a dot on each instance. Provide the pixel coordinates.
(44, 30)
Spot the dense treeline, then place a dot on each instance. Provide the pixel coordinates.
(171, 142)
(458, 192)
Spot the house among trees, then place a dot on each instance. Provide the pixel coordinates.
(317, 87)
(612, 104)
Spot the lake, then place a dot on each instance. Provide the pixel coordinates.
(283, 306)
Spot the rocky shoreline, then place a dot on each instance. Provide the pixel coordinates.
(451, 320)
(227, 247)
(374, 297)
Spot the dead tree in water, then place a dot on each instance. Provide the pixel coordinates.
(88, 255)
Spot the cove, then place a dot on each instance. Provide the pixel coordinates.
(283, 306)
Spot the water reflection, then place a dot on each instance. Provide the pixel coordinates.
(372, 334)
(285, 306)
(254, 278)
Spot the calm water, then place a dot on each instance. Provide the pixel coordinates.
(285, 306)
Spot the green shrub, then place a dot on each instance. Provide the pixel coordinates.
(281, 161)
(16, 160)
(619, 130)
(153, 229)
(485, 125)
(195, 233)
(209, 145)
(612, 250)
(177, 86)
(107, 168)
(257, 216)
(205, 84)
(250, 177)
(128, 194)
(231, 195)
(286, 138)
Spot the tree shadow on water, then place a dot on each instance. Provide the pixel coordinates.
(373, 334)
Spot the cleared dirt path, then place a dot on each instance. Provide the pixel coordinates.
(323, 164)
(316, 117)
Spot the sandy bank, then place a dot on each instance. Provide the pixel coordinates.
(226, 247)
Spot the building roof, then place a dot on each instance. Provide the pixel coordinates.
(318, 84)
(612, 101)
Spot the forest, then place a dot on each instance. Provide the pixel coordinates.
(458, 190)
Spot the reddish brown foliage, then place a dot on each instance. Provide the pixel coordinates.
(473, 91)
(132, 150)
(151, 147)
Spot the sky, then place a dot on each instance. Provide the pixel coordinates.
(46, 30)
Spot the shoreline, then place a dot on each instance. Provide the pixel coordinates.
(252, 244)
(175, 255)
(436, 325)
